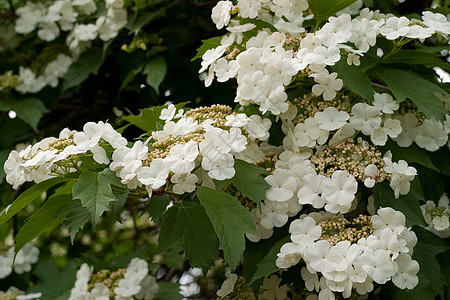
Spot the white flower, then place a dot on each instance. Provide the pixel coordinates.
(365, 118)
(227, 286)
(168, 113)
(272, 290)
(211, 56)
(331, 119)
(406, 275)
(6, 264)
(273, 214)
(221, 13)
(431, 135)
(327, 84)
(395, 27)
(184, 183)
(263, 233)
(219, 168)
(155, 175)
(378, 265)
(387, 217)
(310, 192)
(181, 158)
(308, 133)
(283, 186)
(27, 256)
(402, 174)
(385, 103)
(409, 127)
(258, 127)
(305, 231)
(249, 8)
(436, 21)
(238, 120)
(290, 255)
(339, 191)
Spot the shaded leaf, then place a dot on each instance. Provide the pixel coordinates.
(46, 218)
(230, 220)
(49, 274)
(146, 18)
(30, 111)
(415, 57)
(188, 223)
(355, 79)
(27, 197)
(249, 182)
(428, 246)
(156, 71)
(422, 92)
(88, 63)
(168, 290)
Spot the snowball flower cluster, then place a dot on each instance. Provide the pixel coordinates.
(347, 261)
(134, 282)
(26, 256)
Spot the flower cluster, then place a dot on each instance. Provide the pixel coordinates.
(27, 256)
(342, 255)
(264, 64)
(57, 156)
(437, 216)
(193, 147)
(134, 282)
(50, 18)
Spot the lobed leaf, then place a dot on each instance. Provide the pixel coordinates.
(249, 182)
(230, 221)
(94, 190)
(189, 225)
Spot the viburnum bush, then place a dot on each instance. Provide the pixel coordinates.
(321, 171)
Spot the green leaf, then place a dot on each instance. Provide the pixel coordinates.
(77, 217)
(355, 79)
(260, 257)
(54, 283)
(408, 204)
(249, 182)
(156, 71)
(94, 191)
(206, 45)
(322, 9)
(45, 219)
(168, 290)
(422, 92)
(432, 183)
(30, 111)
(157, 206)
(188, 223)
(27, 197)
(442, 164)
(131, 76)
(230, 220)
(415, 57)
(146, 18)
(174, 258)
(89, 62)
(428, 246)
